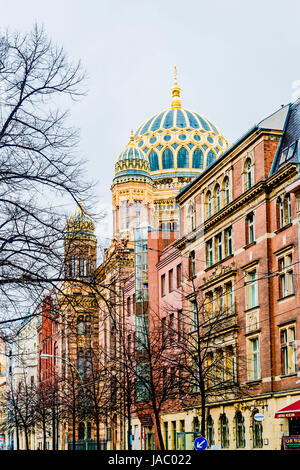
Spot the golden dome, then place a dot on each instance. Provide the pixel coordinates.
(132, 160)
(80, 221)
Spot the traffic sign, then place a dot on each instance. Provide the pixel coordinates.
(200, 443)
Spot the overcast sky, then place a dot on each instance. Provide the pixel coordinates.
(237, 62)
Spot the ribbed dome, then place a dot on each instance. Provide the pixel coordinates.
(80, 221)
(132, 160)
(179, 142)
(177, 119)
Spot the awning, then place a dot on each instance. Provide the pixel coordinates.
(290, 411)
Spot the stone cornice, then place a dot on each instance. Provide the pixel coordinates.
(264, 186)
(220, 274)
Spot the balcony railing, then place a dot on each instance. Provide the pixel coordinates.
(92, 444)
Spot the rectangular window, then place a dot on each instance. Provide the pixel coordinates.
(250, 229)
(172, 327)
(286, 276)
(254, 352)
(179, 274)
(288, 350)
(137, 207)
(142, 382)
(170, 280)
(180, 325)
(195, 315)
(141, 334)
(230, 364)
(251, 290)
(220, 302)
(228, 242)
(219, 251)
(125, 214)
(229, 302)
(163, 285)
(192, 265)
(165, 330)
(209, 253)
(209, 306)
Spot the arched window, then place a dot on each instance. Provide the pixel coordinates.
(74, 266)
(80, 361)
(257, 430)
(226, 191)
(182, 158)
(81, 431)
(167, 159)
(240, 430)
(287, 209)
(249, 173)
(211, 158)
(198, 158)
(153, 160)
(191, 217)
(224, 430)
(80, 325)
(196, 425)
(209, 204)
(210, 431)
(82, 267)
(250, 228)
(218, 197)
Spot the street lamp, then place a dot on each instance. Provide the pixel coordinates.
(45, 356)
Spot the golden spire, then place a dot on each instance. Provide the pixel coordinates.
(132, 139)
(176, 102)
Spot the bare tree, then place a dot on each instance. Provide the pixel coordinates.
(20, 409)
(39, 164)
(204, 351)
(149, 383)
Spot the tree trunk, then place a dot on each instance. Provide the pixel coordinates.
(129, 432)
(53, 427)
(158, 429)
(26, 437)
(44, 434)
(98, 433)
(74, 429)
(203, 403)
(17, 436)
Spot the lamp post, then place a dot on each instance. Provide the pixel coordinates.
(45, 356)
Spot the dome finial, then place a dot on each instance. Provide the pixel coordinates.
(131, 140)
(176, 102)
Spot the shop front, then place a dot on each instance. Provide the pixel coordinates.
(292, 414)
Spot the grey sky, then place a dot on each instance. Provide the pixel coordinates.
(237, 62)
